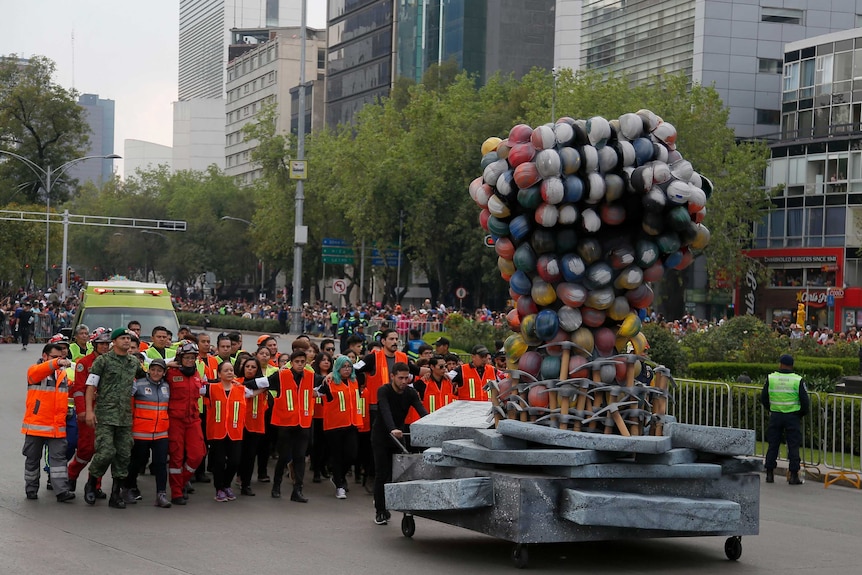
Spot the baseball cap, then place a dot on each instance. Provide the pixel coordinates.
(160, 363)
(786, 359)
(441, 341)
(480, 350)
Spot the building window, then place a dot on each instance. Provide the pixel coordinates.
(245, 111)
(769, 65)
(768, 117)
(271, 77)
(782, 15)
(321, 58)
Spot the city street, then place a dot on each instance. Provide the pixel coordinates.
(804, 529)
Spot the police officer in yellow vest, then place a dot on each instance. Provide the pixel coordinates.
(786, 398)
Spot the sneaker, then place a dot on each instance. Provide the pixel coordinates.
(65, 496)
(221, 496)
(136, 493)
(246, 491)
(179, 501)
(263, 479)
(128, 497)
(228, 492)
(794, 478)
(162, 500)
(380, 519)
(340, 493)
(49, 487)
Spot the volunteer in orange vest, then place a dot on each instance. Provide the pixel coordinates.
(186, 447)
(470, 378)
(44, 422)
(375, 368)
(86, 434)
(438, 386)
(150, 398)
(226, 405)
(255, 419)
(292, 412)
(364, 455)
(340, 419)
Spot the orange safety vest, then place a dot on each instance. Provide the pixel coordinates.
(47, 400)
(363, 416)
(225, 412)
(294, 405)
(255, 413)
(472, 385)
(318, 408)
(208, 367)
(381, 373)
(341, 411)
(150, 419)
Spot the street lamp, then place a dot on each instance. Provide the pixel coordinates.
(47, 177)
(259, 261)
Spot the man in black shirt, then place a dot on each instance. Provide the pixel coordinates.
(393, 402)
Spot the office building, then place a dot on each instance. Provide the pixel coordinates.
(143, 155)
(198, 134)
(812, 236)
(99, 115)
(735, 45)
(373, 42)
(266, 71)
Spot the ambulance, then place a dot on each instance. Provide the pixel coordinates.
(114, 303)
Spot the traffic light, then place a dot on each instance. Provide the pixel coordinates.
(800, 315)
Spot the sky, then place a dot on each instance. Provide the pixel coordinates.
(123, 51)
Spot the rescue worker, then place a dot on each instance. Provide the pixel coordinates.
(394, 401)
(208, 370)
(469, 380)
(375, 368)
(135, 327)
(786, 398)
(161, 345)
(150, 431)
(186, 446)
(413, 344)
(86, 433)
(71, 416)
(111, 378)
(81, 345)
(44, 423)
(340, 419)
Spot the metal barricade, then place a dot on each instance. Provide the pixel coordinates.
(701, 402)
(43, 328)
(842, 423)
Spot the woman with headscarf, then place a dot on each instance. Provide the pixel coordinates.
(340, 419)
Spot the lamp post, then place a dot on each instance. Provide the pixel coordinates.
(47, 177)
(260, 260)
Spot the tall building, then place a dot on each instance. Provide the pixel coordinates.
(812, 236)
(198, 134)
(734, 45)
(143, 155)
(373, 42)
(266, 71)
(100, 117)
(205, 34)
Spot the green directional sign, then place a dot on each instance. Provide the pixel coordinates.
(337, 251)
(338, 260)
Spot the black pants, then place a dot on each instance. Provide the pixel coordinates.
(341, 445)
(291, 445)
(790, 425)
(250, 445)
(24, 333)
(141, 454)
(318, 446)
(364, 455)
(383, 448)
(225, 455)
(202, 468)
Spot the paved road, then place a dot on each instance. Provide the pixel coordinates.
(804, 529)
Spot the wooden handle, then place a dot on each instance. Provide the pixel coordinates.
(621, 425)
(564, 410)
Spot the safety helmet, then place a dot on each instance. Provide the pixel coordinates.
(101, 335)
(187, 348)
(59, 338)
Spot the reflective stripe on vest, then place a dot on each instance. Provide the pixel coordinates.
(784, 392)
(43, 428)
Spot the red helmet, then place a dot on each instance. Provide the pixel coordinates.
(59, 338)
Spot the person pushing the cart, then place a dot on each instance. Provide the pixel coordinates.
(393, 403)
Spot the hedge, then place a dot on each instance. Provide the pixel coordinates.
(220, 322)
(727, 371)
(849, 365)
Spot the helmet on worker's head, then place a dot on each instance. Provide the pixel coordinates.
(187, 348)
(60, 339)
(101, 335)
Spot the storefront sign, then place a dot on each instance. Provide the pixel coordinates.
(749, 297)
(791, 259)
(836, 292)
(812, 298)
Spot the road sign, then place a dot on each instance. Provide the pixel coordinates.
(338, 260)
(334, 242)
(460, 293)
(384, 257)
(830, 300)
(298, 169)
(490, 241)
(339, 286)
(337, 251)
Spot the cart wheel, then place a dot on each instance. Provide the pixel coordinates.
(733, 548)
(408, 525)
(520, 556)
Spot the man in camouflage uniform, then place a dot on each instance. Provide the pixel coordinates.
(111, 377)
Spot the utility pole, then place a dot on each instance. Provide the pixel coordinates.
(300, 232)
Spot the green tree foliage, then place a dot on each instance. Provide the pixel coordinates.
(22, 258)
(664, 349)
(40, 121)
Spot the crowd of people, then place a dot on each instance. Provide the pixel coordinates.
(193, 411)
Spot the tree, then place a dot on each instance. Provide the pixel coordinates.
(41, 121)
